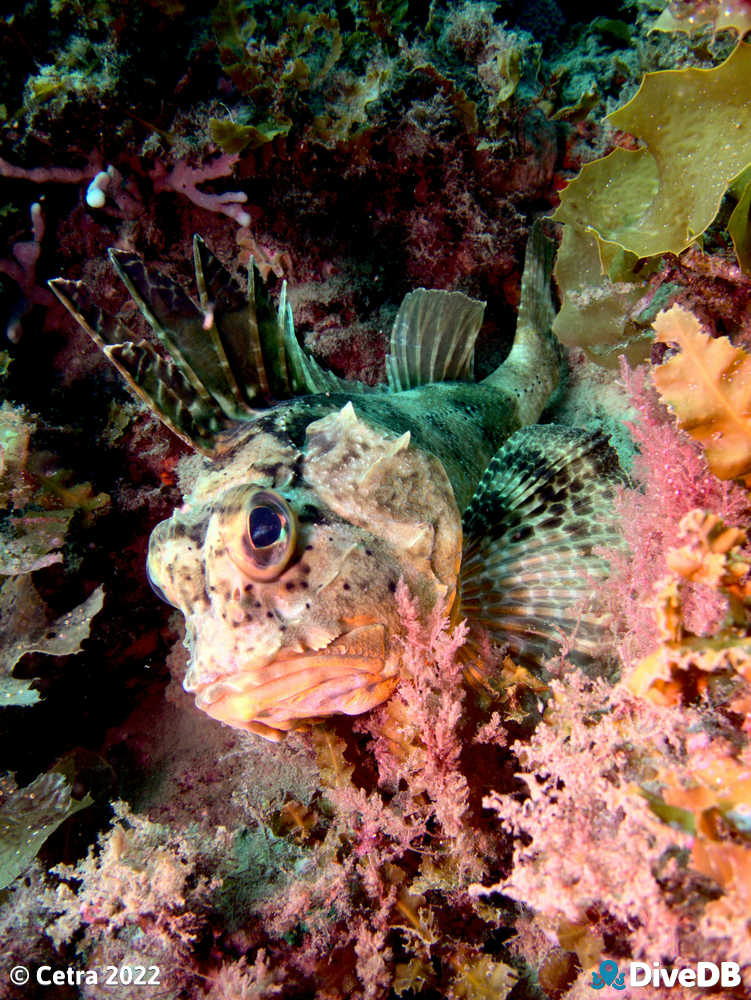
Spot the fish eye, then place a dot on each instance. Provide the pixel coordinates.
(265, 526)
(260, 532)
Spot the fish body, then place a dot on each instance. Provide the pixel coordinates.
(286, 554)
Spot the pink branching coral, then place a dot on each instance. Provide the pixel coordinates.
(184, 179)
(22, 269)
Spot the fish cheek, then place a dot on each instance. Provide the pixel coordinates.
(351, 579)
(174, 565)
(386, 486)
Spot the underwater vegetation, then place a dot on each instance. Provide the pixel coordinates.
(503, 837)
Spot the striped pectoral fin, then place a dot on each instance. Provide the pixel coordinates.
(534, 530)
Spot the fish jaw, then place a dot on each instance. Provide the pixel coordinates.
(351, 675)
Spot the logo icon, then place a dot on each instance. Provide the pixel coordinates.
(608, 976)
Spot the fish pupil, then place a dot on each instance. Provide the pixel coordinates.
(265, 527)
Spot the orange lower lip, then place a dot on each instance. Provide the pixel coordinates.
(346, 677)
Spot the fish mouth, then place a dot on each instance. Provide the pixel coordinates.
(349, 676)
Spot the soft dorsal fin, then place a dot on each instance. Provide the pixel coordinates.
(433, 339)
(529, 567)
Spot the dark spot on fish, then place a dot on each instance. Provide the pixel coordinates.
(289, 585)
(345, 586)
(269, 614)
(304, 568)
(307, 606)
(194, 532)
(368, 552)
(392, 586)
(272, 470)
(308, 548)
(248, 588)
(256, 604)
(521, 534)
(310, 514)
(304, 584)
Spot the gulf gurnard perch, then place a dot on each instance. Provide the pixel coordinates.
(319, 494)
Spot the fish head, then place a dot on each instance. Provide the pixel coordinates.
(285, 558)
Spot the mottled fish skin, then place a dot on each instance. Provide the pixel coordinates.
(286, 554)
(371, 508)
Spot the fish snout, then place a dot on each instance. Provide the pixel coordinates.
(350, 675)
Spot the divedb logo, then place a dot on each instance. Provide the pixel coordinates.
(703, 975)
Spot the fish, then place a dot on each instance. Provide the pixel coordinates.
(320, 497)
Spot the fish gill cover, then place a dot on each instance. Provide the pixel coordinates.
(507, 838)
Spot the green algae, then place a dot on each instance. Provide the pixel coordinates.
(658, 199)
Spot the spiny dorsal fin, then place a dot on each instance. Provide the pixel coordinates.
(226, 320)
(100, 326)
(529, 568)
(433, 339)
(166, 391)
(305, 374)
(186, 332)
(226, 359)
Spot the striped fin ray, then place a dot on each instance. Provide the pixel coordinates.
(188, 334)
(227, 357)
(433, 339)
(529, 570)
(100, 326)
(232, 330)
(164, 388)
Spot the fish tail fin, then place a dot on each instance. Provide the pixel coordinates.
(532, 370)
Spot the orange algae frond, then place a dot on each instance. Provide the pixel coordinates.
(708, 385)
(711, 555)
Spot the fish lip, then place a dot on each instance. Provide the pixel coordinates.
(360, 650)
